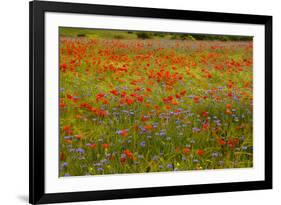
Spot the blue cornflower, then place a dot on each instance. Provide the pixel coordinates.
(80, 150)
(162, 133)
(68, 137)
(215, 154)
(100, 169)
(195, 129)
(125, 111)
(143, 144)
(170, 166)
(244, 148)
(97, 164)
(104, 161)
(220, 88)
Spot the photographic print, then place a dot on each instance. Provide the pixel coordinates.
(144, 101)
(129, 102)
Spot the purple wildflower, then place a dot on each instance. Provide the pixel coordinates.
(170, 166)
(143, 144)
(195, 129)
(100, 169)
(80, 150)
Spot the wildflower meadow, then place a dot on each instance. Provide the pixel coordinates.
(136, 102)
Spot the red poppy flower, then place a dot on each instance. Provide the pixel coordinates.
(174, 102)
(63, 67)
(205, 114)
(230, 143)
(78, 137)
(228, 112)
(67, 129)
(68, 141)
(124, 133)
(62, 103)
(105, 101)
(230, 84)
(99, 96)
(168, 107)
(178, 96)
(137, 89)
(93, 146)
(114, 92)
(183, 92)
(123, 94)
(105, 146)
(144, 118)
(69, 96)
(200, 152)
(129, 154)
(205, 126)
(140, 98)
(148, 90)
(129, 101)
(62, 156)
(209, 75)
(196, 99)
(123, 160)
(228, 106)
(148, 127)
(222, 142)
(186, 150)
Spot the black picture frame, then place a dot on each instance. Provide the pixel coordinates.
(37, 11)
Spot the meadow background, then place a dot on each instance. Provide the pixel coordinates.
(134, 102)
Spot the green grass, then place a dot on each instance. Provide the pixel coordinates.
(90, 33)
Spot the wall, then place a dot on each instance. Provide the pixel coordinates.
(14, 100)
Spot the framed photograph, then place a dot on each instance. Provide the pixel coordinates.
(140, 102)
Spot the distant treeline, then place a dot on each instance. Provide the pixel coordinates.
(184, 36)
(222, 38)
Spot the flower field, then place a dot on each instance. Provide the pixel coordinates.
(154, 105)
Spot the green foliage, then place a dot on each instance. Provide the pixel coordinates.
(118, 36)
(81, 35)
(221, 37)
(143, 35)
